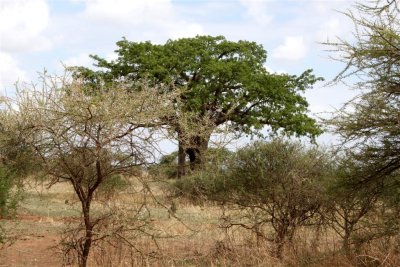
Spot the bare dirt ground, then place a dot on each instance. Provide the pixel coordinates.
(45, 213)
(35, 231)
(34, 243)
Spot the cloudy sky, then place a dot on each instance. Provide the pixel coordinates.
(42, 34)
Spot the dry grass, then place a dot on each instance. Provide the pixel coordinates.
(192, 238)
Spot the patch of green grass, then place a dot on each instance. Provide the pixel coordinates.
(50, 205)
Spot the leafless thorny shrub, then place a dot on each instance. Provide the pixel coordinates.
(348, 215)
(87, 137)
(129, 228)
(117, 234)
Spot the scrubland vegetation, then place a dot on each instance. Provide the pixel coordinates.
(82, 176)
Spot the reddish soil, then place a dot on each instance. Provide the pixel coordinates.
(33, 250)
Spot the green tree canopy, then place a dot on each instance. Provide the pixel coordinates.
(220, 82)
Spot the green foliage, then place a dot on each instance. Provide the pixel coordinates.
(169, 158)
(268, 168)
(278, 184)
(200, 186)
(361, 212)
(207, 183)
(369, 126)
(17, 161)
(369, 123)
(218, 82)
(167, 167)
(9, 192)
(347, 209)
(223, 77)
(15, 153)
(262, 170)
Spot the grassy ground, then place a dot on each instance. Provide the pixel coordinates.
(45, 213)
(193, 238)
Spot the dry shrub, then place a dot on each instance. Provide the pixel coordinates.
(119, 230)
(384, 251)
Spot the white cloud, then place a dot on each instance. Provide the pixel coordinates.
(157, 16)
(9, 72)
(22, 23)
(324, 7)
(129, 11)
(293, 48)
(82, 59)
(189, 30)
(329, 29)
(334, 27)
(257, 10)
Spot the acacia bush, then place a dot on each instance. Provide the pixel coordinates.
(208, 183)
(200, 186)
(17, 161)
(88, 138)
(8, 197)
(361, 213)
(269, 188)
(168, 164)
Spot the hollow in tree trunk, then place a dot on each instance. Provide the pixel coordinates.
(197, 151)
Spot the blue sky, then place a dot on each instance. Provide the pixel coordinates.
(38, 34)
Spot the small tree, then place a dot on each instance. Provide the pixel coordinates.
(280, 183)
(16, 162)
(360, 214)
(347, 208)
(369, 124)
(85, 138)
(275, 185)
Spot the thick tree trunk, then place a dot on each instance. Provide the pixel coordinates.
(195, 148)
(197, 151)
(181, 160)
